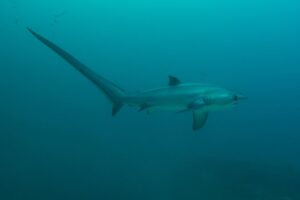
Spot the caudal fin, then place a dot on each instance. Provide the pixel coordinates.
(113, 92)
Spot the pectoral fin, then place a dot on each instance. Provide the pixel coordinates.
(199, 119)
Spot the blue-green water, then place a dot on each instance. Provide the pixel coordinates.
(59, 141)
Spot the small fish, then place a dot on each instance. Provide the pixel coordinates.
(60, 14)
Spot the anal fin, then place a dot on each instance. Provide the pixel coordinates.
(144, 106)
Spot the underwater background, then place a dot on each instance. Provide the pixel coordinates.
(59, 141)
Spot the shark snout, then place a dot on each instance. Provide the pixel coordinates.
(237, 98)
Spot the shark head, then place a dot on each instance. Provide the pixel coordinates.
(223, 98)
(213, 99)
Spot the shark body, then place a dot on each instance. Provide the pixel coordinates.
(196, 98)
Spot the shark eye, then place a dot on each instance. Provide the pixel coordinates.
(235, 97)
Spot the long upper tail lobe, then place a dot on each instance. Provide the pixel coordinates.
(113, 92)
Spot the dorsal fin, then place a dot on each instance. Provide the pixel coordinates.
(174, 81)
